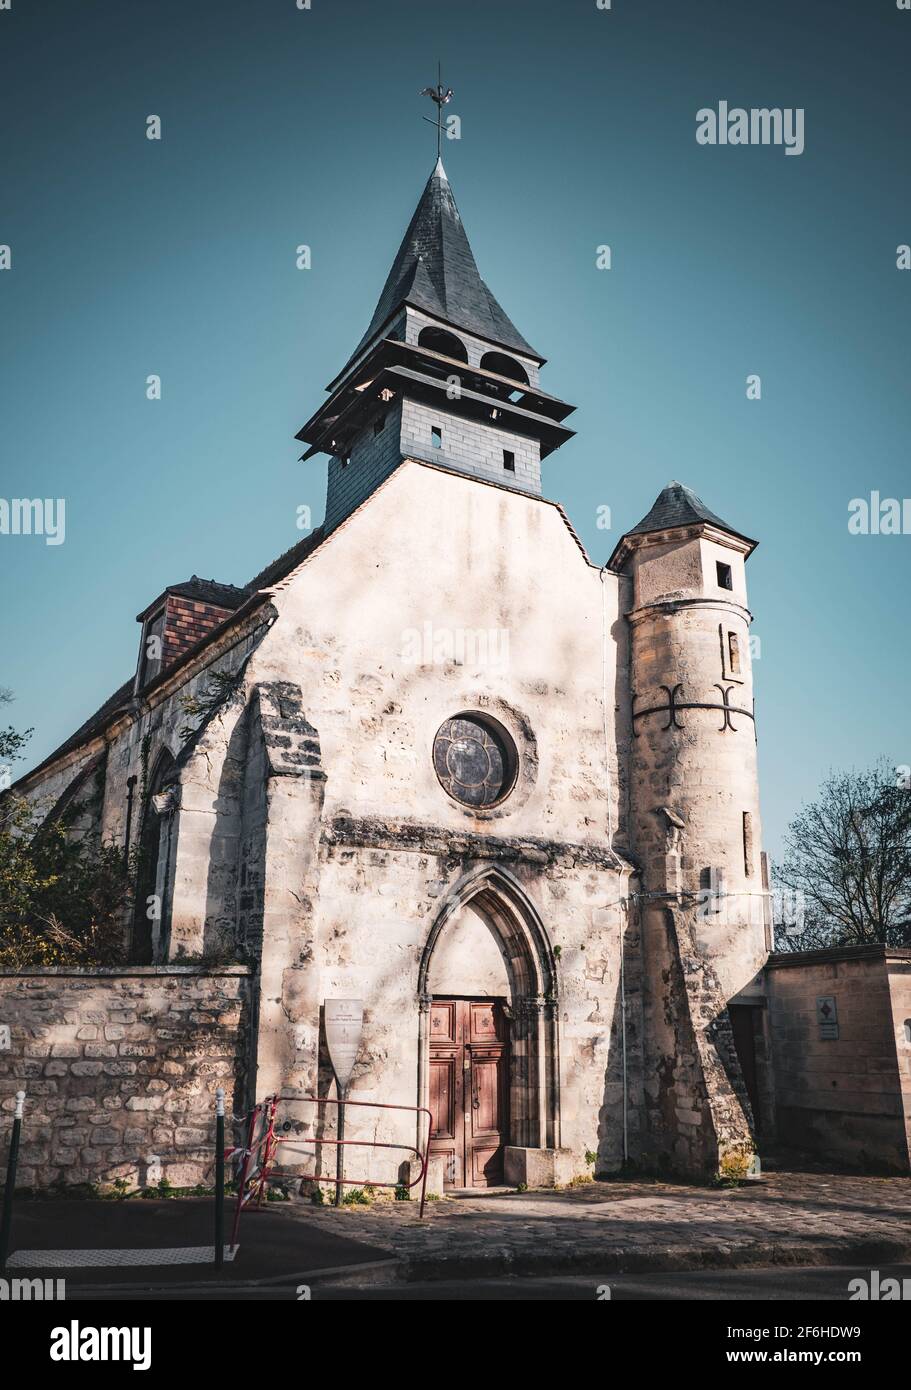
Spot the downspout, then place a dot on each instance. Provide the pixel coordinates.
(617, 863)
(165, 804)
(623, 1039)
(164, 940)
(131, 786)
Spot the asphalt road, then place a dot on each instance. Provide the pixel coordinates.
(757, 1285)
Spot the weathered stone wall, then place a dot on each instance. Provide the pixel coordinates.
(378, 904)
(435, 552)
(698, 762)
(697, 1107)
(695, 832)
(846, 1098)
(198, 877)
(899, 967)
(310, 823)
(120, 1069)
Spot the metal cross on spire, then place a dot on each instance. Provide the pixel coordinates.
(441, 96)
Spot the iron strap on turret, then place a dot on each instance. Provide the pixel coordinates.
(674, 705)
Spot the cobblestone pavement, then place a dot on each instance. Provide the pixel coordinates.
(786, 1218)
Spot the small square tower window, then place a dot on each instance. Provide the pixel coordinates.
(509, 461)
(436, 436)
(725, 578)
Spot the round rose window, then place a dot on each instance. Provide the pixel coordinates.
(475, 760)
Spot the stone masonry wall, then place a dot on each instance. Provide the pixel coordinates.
(120, 1069)
(899, 968)
(843, 1097)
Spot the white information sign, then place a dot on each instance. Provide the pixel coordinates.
(344, 1023)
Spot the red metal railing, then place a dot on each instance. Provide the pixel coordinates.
(252, 1185)
(259, 1153)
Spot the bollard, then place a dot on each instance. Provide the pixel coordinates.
(11, 1165)
(219, 1177)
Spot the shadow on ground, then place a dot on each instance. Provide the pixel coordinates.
(270, 1246)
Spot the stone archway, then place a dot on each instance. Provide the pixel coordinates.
(496, 901)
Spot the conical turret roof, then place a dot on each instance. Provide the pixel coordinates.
(677, 505)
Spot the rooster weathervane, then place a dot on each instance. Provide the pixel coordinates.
(441, 96)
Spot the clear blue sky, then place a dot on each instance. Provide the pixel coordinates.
(283, 126)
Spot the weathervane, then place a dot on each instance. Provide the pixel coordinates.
(441, 96)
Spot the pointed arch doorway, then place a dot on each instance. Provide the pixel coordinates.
(488, 1063)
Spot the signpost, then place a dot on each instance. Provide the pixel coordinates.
(344, 1020)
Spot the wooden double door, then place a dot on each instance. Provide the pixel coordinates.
(469, 1089)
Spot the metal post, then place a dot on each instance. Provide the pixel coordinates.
(219, 1177)
(340, 1152)
(11, 1165)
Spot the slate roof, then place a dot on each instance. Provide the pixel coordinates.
(104, 715)
(678, 505)
(203, 591)
(435, 270)
(210, 591)
(675, 505)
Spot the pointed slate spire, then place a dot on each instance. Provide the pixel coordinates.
(435, 270)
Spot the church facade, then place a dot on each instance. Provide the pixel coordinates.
(438, 759)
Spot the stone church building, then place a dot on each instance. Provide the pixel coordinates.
(439, 759)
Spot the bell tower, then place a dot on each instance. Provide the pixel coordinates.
(441, 375)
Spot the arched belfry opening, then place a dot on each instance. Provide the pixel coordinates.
(488, 1057)
(504, 365)
(439, 340)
